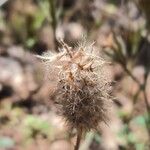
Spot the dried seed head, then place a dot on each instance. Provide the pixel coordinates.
(82, 89)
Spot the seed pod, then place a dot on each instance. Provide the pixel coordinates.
(82, 91)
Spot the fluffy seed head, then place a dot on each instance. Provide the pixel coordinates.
(82, 91)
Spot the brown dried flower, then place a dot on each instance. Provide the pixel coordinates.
(82, 92)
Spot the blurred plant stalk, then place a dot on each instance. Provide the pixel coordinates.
(144, 5)
(116, 50)
(52, 11)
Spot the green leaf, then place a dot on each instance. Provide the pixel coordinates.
(140, 120)
(132, 138)
(30, 42)
(38, 20)
(36, 123)
(140, 146)
(123, 134)
(97, 138)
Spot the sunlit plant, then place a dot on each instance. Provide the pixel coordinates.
(82, 91)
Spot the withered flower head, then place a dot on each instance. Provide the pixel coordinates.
(82, 89)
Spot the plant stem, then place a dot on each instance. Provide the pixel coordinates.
(144, 90)
(79, 136)
(146, 102)
(147, 120)
(52, 11)
(131, 75)
(142, 87)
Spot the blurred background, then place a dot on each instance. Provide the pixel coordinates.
(121, 30)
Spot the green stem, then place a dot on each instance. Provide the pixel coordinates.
(52, 10)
